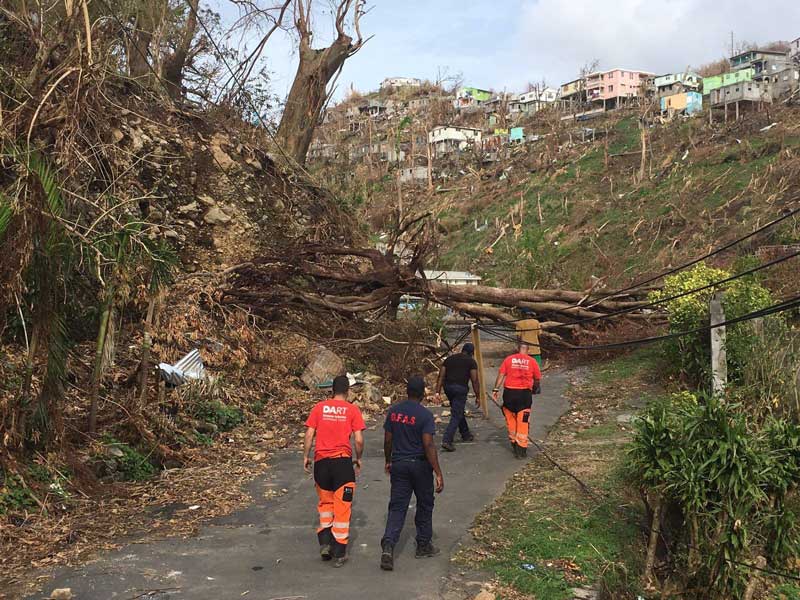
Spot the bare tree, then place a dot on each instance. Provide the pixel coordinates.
(316, 68)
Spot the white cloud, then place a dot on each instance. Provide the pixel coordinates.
(558, 36)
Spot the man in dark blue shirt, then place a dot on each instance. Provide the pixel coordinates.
(411, 462)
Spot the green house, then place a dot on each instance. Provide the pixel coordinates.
(517, 134)
(476, 94)
(720, 81)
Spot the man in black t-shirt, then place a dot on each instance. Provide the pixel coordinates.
(412, 463)
(455, 375)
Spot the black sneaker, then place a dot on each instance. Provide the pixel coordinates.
(387, 557)
(514, 448)
(426, 550)
(339, 562)
(523, 452)
(448, 447)
(469, 438)
(325, 552)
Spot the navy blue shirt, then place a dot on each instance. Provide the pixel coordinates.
(407, 422)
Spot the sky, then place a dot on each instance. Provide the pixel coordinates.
(504, 44)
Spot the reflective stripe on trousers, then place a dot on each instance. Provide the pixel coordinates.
(518, 426)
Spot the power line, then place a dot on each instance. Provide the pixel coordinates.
(668, 298)
(673, 270)
(776, 308)
(602, 497)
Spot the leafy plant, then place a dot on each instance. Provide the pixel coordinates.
(131, 464)
(691, 354)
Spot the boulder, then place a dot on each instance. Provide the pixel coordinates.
(215, 216)
(61, 594)
(225, 162)
(323, 366)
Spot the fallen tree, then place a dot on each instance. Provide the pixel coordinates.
(356, 282)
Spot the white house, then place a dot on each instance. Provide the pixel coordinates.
(414, 175)
(794, 48)
(453, 277)
(446, 139)
(397, 82)
(531, 102)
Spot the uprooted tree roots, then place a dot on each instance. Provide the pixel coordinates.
(354, 282)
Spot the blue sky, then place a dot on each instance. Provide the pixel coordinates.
(503, 44)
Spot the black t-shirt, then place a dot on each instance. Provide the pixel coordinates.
(407, 422)
(457, 368)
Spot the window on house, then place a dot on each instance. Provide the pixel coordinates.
(611, 88)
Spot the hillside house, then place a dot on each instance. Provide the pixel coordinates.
(373, 108)
(401, 82)
(470, 96)
(414, 175)
(534, 101)
(573, 94)
(710, 84)
(794, 49)
(419, 103)
(758, 59)
(446, 139)
(517, 135)
(616, 87)
(453, 277)
(687, 103)
(675, 83)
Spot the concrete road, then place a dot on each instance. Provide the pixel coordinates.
(268, 551)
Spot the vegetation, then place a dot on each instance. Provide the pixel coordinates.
(728, 479)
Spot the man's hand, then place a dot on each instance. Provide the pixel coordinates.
(495, 394)
(307, 464)
(357, 466)
(439, 483)
(388, 468)
(537, 387)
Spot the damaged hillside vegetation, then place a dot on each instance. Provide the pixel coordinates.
(126, 199)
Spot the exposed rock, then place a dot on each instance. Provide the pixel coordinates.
(485, 595)
(323, 365)
(61, 594)
(585, 594)
(225, 162)
(371, 393)
(215, 216)
(189, 208)
(207, 200)
(117, 135)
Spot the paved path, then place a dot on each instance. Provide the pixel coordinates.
(268, 551)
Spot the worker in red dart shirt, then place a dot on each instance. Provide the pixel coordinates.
(522, 378)
(333, 422)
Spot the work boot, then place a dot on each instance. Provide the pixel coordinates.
(469, 438)
(339, 562)
(448, 447)
(387, 556)
(426, 550)
(522, 452)
(325, 552)
(514, 449)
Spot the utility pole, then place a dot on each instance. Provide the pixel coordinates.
(476, 341)
(719, 360)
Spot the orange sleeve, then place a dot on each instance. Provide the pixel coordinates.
(504, 367)
(537, 373)
(313, 417)
(357, 420)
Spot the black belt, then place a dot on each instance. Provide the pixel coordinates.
(410, 459)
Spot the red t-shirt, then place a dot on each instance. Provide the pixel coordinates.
(520, 370)
(335, 421)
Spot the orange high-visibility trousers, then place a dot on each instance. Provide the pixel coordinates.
(334, 509)
(518, 424)
(335, 483)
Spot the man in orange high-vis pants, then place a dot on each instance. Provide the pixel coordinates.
(333, 422)
(522, 378)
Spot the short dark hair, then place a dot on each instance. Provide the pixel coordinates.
(415, 388)
(341, 384)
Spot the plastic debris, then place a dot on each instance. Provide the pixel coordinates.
(190, 367)
(527, 567)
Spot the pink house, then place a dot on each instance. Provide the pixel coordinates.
(614, 87)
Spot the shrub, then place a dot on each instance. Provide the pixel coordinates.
(691, 354)
(131, 464)
(14, 494)
(729, 478)
(220, 414)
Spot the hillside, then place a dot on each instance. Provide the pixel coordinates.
(569, 207)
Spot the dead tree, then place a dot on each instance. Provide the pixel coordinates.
(316, 68)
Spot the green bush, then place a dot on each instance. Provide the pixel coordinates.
(691, 354)
(14, 494)
(220, 414)
(131, 464)
(729, 477)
